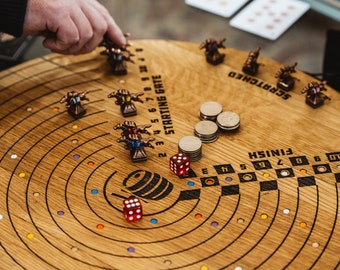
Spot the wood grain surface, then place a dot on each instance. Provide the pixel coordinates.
(265, 196)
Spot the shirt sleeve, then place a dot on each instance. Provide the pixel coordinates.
(12, 16)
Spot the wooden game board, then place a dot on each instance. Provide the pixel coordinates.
(266, 196)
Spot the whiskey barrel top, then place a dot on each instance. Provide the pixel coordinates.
(263, 196)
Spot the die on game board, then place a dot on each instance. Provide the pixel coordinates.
(180, 164)
(132, 209)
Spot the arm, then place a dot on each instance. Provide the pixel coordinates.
(70, 26)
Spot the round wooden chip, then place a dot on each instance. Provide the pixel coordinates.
(228, 120)
(209, 110)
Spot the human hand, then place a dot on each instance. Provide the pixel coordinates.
(71, 26)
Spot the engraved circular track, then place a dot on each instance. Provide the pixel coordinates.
(64, 180)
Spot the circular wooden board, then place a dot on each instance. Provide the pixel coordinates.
(266, 196)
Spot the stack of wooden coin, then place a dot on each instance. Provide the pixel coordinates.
(228, 121)
(191, 146)
(210, 110)
(207, 131)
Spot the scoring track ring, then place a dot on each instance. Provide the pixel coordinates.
(48, 183)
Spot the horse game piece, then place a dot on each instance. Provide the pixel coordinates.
(73, 103)
(212, 54)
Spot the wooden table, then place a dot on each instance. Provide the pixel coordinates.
(266, 196)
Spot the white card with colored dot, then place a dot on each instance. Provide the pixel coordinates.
(269, 18)
(224, 8)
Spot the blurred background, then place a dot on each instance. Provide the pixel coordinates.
(304, 42)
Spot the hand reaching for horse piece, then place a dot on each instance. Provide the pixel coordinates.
(71, 26)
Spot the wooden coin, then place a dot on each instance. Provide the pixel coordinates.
(228, 120)
(209, 110)
(206, 131)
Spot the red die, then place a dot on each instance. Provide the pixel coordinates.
(132, 209)
(180, 164)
